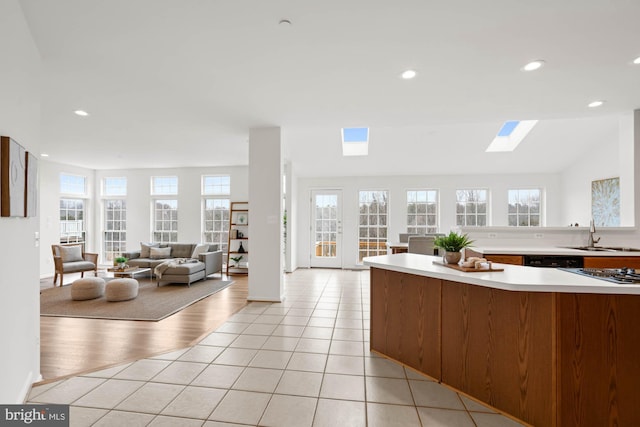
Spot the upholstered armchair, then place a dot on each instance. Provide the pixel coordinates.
(71, 258)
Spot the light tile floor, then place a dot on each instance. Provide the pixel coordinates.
(303, 362)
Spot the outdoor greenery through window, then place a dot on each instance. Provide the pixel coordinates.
(216, 190)
(72, 224)
(115, 228)
(524, 207)
(422, 211)
(326, 225)
(72, 209)
(114, 221)
(215, 227)
(165, 221)
(161, 185)
(471, 207)
(373, 223)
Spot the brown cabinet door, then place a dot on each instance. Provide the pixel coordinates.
(505, 259)
(612, 262)
(405, 319)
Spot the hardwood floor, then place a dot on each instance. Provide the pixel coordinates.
(69, 346)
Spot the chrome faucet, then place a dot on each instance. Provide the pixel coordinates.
(592, 229)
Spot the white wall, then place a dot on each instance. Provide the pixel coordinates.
(138, 203)
(602, 161)
(397, 187)
(50, 210)
(19, 284)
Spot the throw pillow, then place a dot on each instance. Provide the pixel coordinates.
(199, 249)
(159, 253)
(144, 249)
(71, 253)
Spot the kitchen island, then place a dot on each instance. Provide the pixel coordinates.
(546, 346)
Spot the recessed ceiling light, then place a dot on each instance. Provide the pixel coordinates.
(81, 113)
(284, 23)
(409, 74)
(44, 155)
(595, 104)
(637, 60)
(533, 65)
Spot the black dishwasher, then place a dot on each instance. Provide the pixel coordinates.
(553, 261)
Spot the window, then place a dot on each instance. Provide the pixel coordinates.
(165, 221)
(114, 222)
(215, 210)
(72, 209)
(510, 135)
(114, 187)
(215, 227)
(216, 185)
(422, 211)
(471, 208)
(372, 224)
(72, 225)
(163, 185)
(73, 184)
(524, 207)
(355, 141)
(115, 228)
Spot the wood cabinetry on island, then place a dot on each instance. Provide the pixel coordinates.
(545, 346)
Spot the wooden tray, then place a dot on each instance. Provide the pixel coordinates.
(468, 269)
(118, 270)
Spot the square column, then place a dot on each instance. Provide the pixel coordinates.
(265, 215)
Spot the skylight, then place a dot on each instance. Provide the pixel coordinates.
(355, 141)
(510, 135)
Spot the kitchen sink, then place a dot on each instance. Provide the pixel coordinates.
(592, 248)
(622, 249)
(605, 248)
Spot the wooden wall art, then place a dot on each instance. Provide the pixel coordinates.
(12, 177)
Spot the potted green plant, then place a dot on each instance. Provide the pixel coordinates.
(452, 244)
(236, 260)
(121, 262)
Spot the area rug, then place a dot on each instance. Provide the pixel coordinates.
(153, 303)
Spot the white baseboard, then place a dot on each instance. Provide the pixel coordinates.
(26, 388)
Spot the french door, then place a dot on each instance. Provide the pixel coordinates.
(326, 228)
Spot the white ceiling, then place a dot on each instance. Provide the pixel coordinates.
(180, 82)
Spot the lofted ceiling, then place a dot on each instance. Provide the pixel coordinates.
(173, 83)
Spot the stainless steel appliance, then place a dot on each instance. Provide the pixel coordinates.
(553, 261)
(622, 276)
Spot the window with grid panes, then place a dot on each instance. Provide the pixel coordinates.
(372, 229)
(114, 226)
(422, 211)
(215, 226)
(164, 185)
(525, 207)
(216, 190)
(114, 239)
(72, 223)
(471, 207)
(72, 209)
(165, 220)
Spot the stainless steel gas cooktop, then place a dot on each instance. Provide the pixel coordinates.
(622, 276)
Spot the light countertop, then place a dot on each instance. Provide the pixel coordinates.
(547, 250)
(513, 278)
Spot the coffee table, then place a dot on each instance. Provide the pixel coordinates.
(130, 272)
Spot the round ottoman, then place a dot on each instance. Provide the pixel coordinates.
(87, 288)
(121, 289)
